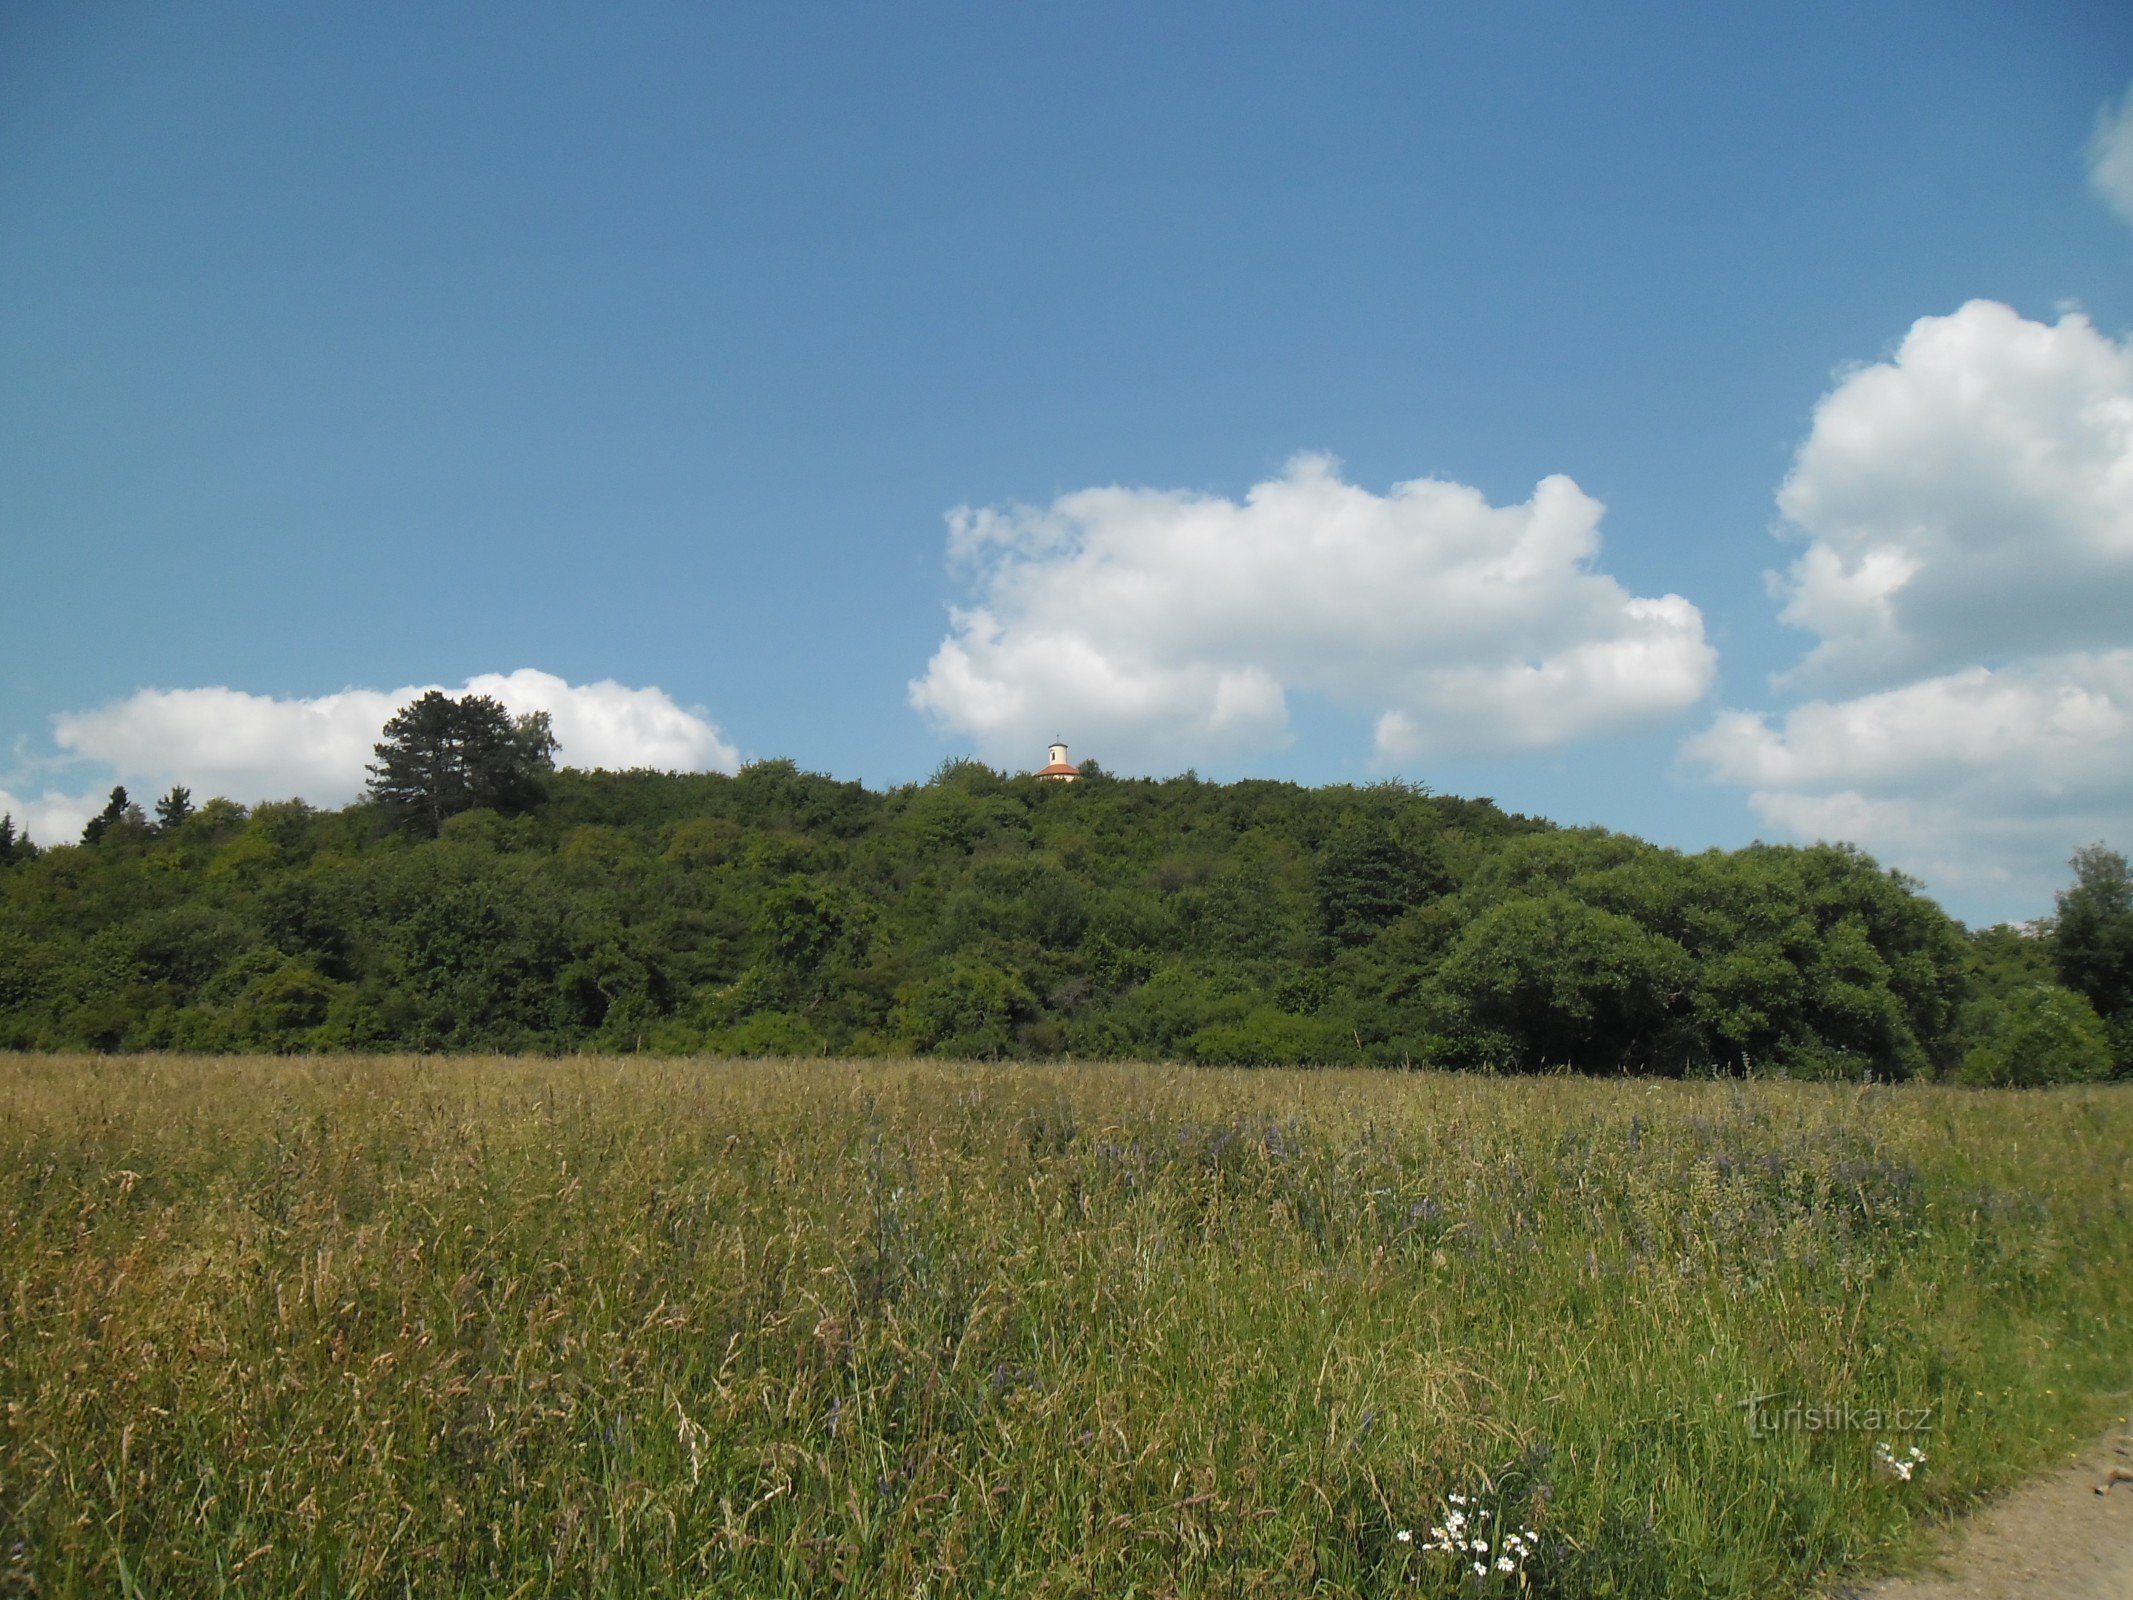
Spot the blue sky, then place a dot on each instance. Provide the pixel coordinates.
(640, 362)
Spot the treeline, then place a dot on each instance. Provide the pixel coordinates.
(986, 915)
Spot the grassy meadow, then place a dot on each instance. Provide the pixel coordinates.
(511, 1327)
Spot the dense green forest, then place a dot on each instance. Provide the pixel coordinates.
(986, 915)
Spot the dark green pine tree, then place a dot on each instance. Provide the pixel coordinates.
(173, 808)
(442, 756)
(119, 813)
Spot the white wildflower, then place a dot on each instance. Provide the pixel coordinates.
(1901, 1468)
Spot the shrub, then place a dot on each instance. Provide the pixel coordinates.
(2043, 1034)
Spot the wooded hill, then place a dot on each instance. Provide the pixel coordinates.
(986, 915)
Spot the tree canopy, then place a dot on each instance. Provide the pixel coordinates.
(120, 814)
(440, 757)
(485, 901)
(2092, 938)
(174, 808)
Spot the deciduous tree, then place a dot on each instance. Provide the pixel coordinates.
(2092, 941)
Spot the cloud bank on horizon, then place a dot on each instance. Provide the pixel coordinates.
(250, 747)
(1166, 627)
(1967, 507)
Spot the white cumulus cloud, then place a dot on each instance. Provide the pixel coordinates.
(223, 741)
(607, 724)
(251, 747)
(1970, 499)
(50, 816)
(1968, 506)
(1980, 780)
(2111, 156)
(1157, 628)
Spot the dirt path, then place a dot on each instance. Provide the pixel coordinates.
(2053, 1539)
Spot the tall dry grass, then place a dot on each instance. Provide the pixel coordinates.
(496, 1327)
